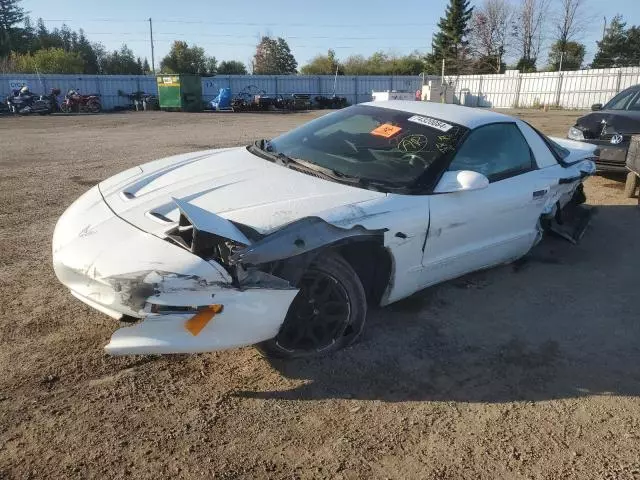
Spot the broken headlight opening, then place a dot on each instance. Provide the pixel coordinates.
(210, 246)
(204, 244)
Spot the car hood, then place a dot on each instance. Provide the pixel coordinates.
(617, 121)
(232, 183)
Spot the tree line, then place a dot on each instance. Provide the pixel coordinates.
(470, 39)
(36, 49)
(478, 39)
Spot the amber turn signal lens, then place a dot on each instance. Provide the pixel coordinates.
(196, 323)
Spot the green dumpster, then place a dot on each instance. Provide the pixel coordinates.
(180, 92)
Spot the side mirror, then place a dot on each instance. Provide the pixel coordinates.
(460, 181)
(596, 106)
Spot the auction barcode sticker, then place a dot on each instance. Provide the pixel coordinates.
(431, 122)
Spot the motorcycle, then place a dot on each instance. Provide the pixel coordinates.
(26, 103)
(76, 102)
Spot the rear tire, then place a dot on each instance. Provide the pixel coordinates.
(630, 185)
(328, 313)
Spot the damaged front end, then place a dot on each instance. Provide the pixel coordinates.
(210, 284)
(254, 260)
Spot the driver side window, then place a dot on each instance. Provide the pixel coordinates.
(498, 151)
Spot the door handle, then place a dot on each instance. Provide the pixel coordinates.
(540, 193)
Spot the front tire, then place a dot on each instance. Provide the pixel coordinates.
(630, 185)
(328, 313)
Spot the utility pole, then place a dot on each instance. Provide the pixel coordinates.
(561, 58)
(443, 98)
(153, 60)
(604, 28)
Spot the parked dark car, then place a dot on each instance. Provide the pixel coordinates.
(611, 127)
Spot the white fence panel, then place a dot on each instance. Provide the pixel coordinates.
(579, 89)
(538, 89)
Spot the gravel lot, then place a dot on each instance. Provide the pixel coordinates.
(527, 372)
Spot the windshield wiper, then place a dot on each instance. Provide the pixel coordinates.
(315, 168)
(328, 173)
(365, 182)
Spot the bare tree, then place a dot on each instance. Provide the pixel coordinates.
(528, 29)
(490, 34)
(571, 20)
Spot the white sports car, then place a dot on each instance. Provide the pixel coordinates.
(285, 242)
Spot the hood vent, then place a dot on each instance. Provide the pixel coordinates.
(158, 217)
(127, 195)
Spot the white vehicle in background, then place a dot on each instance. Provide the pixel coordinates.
(284, 243)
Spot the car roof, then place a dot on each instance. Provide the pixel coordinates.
(466, 116)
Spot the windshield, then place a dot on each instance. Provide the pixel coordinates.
(378, 144)
(620, 101)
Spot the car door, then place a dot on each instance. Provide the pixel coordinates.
(470, 230)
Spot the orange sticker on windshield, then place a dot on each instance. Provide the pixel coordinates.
(386, 130)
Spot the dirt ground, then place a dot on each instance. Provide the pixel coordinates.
(527, 372)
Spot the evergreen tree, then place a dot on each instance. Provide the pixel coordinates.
(42, 36)
(146, 69)
(450, 43)
(28, 37)
(89, 52)
(613, 50)
(10, 16)
(120, 62)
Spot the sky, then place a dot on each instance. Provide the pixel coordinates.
(230, 31)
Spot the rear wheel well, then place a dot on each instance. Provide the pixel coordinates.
(372, 263)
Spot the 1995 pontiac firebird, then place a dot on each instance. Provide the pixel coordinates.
(285, 242)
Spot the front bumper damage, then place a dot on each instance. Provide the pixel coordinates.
(127, 273)
(234, 283)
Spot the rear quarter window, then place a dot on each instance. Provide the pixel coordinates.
(559, 150)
